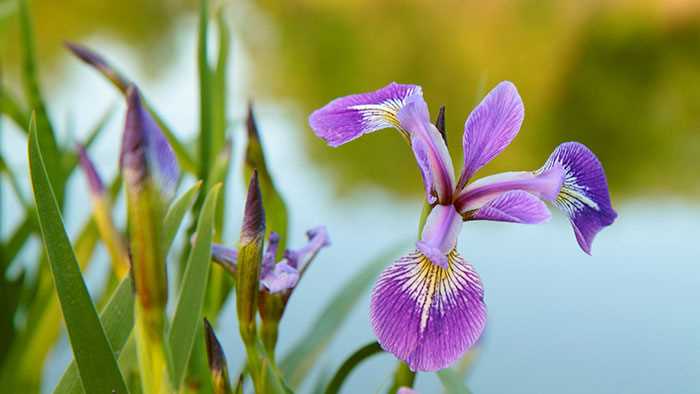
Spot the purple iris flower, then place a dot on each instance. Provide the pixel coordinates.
(281, 276)
(427, 308)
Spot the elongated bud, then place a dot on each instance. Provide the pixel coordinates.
(217, 361)
(249, 261)
(150, 174)
(99, 63)
(146, 153)
(102, 213)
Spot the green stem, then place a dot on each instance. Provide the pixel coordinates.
(354, 360)
(403, 377)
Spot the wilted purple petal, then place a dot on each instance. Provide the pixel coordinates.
(490, 128)
(282, 277)
(95, 183)
(300, 258)
(584, 196)
(430, 150)
(145, 150)
(545, 185)
(440, 234)
(350, 117)
(426, 315)
(514, 206)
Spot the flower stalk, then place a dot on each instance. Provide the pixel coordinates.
(150, 173)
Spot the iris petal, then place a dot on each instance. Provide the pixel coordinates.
(490, 128)
(430, 150)
(514, 206)
(426, 315)
(347, 118)
(440, 234)
(584, 195)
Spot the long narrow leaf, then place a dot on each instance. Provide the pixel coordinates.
(118, 320)
(177, 211)
(304, 354)
(188, 312)
(46, 137)
(205, 94)
(97, 366)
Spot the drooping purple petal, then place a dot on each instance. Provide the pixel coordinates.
(226, 257)
(98, 62)
(584, 196)
(426, 315)
(490, 128)
(545, 185)
(145, 150)
(514, 206)
(94, 180)
(347, 118)
(430, 150)
(440, 234)
(282, 277)
(300, 258)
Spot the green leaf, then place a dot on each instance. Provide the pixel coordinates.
(10, 106)
(206, 142)
(452, 382)
(220, 80)
(46, 137)
(188, 312)
(299, 361)
(177, 211)
(118, 320)
(348, 365)
(97, 366)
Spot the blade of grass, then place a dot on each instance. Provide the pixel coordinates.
(298, 362)
(177, 211)
(46, 137)
(348, 365)
(190, 301)
(10, 106)
(220, 80)
(118, 319)
(206, 141)
(99, 372)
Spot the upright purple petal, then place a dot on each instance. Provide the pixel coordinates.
(95, 183)
(514, 206)
(302, 257)
(426, 315)
(268, 260)
(440, 234)
(430, 150)
(145, 150)
(584, 196)
(543, 184)
(350, 117)
(490, 128)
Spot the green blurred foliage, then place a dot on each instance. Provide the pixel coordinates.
(617, 76)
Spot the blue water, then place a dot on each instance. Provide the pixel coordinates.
(624, 320)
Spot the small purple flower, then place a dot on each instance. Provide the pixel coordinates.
(428, 307)
(281, 276)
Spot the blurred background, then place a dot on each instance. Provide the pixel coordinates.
(619, 76)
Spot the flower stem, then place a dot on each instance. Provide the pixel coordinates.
(403, 377)
(349, 364)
